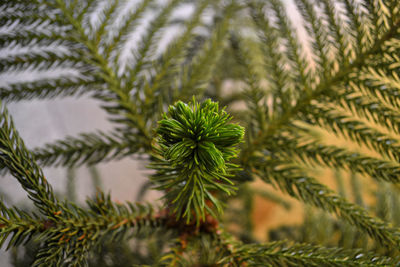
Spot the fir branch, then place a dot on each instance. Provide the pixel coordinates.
(73, 231)
(38, 61)
(25, 14)
(318, 34)
(88, 148)
(74, 234)
(149, 41)
(254, 95)
(84, 8)
(358, 26)
(377, 16)
(368, 107)
(354, 129)
(336, 157)
(107, 73)
(292, 180)
(196, 252)
(105, 17)
(326, 85)
(150, 97)
(197, 75)
(172, 57)
(341, 38)
(19, 160)
(16, 226)
(32, 23)
(274, 60)
(41, 62)
(126, 27)
(49, 89)
(8, 8)
(381, 84)
(294, 49)
(40, 41)
(282, 253)
(26, 36)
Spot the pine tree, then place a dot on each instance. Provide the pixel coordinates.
(206, 145)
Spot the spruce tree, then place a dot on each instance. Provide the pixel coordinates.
(205, 144)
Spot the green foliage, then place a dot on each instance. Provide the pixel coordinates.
(195, 144)
(20, 162)
(283, 254)
(86, 148)
(337, 71)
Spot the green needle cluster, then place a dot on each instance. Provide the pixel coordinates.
(196, 141)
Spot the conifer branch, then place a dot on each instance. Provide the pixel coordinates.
(88, 148)
(106, 16)
(368, 107)
(73, 231)
(26, 15)
(255, 96)
(317, 32)
(327, 84)
(292, 180)
(17, 226)
(282, 253)
(342, 42)
(20, 162)
(377, 82)
(108, 74)
(172, 57)
(26, 37)
(274, 60)
(43, 60)
(355, 130)
(197, 75)
(38, 26)
(336, 157)
(357, 25)
(74, 234)
(148, 42)
(376, 16)
(128, 24)
(294, 49)
(49, 89)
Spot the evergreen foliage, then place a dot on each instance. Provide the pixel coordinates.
(340, 78)
(195, 142)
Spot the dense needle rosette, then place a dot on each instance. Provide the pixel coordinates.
(199, 134)
(196, 141)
